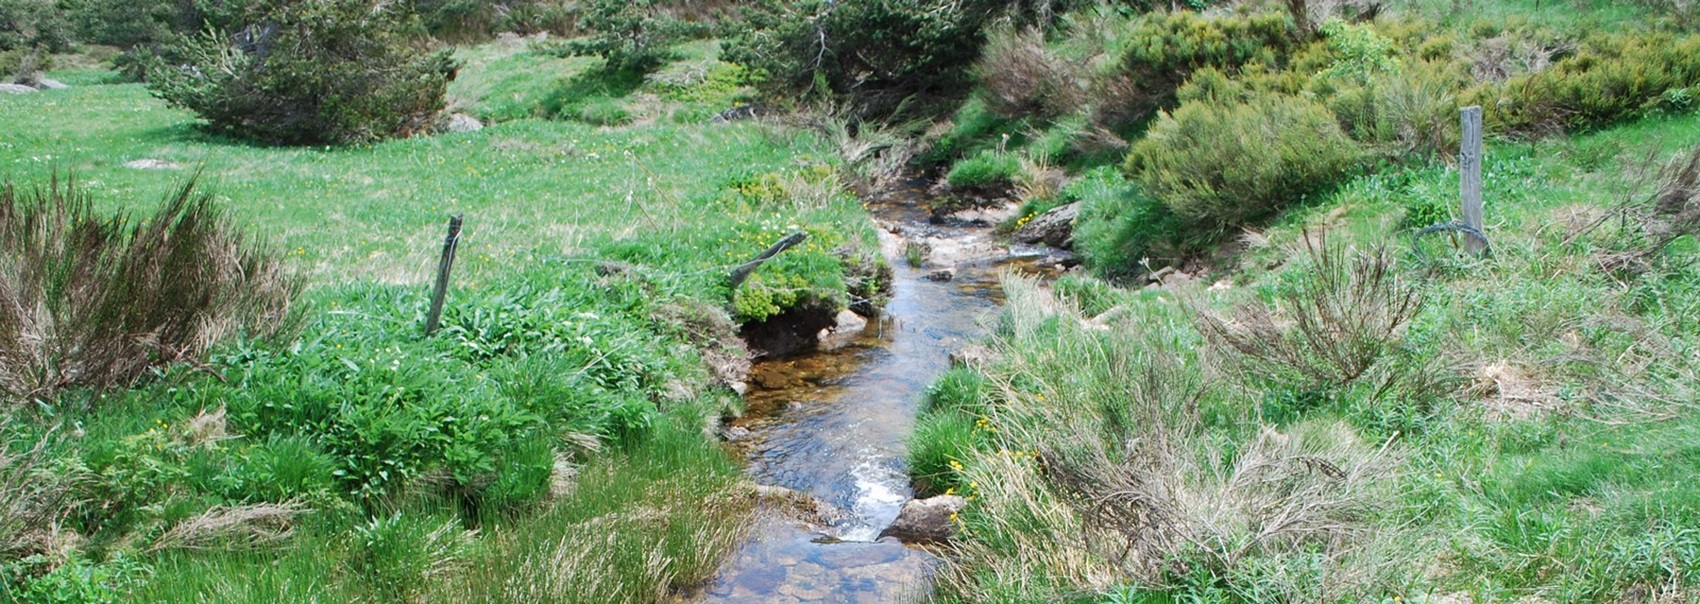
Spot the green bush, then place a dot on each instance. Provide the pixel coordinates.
(876, 52)
(131, 23)
(33, 24)
(1161, 51)
(1219, 162)
(1119, 226)
(80, 288)
(1611, 78)
(631, 35)
(309, 73)
(74, 580)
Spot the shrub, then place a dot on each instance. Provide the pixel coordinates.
(92, 301)
(1021, 76)
(631, 35)
(309, 73)
(878, 52)
(37, 24)
(1609, 79)
(1411, 112)
(1343, 315)
(131, 23)
(1119, 226)
(1218, 163)
(1162, 51)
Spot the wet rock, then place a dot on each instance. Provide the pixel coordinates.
(846, 327)
(983, 217)
(50, 84)
(773, 376)
(461, 122)
(943, 274)
(9, 88)
(1054, 228)
(151, 164)
(735, 434)
(926, 520)
(972, 355)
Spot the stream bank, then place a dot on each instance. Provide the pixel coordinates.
(832, 425)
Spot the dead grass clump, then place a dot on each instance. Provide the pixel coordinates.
(1022, 76)
(1510, 392)
(711, 331)
(97, 301)
(1501, 58)
(32, 499)
(1329, 329)
(233, 527)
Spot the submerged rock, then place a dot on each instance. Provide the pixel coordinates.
(943, 274)
(846, 327)
(928, 520)
(1054, 228)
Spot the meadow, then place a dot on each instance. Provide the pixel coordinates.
(565, 406)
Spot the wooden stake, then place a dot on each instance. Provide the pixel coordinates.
(743, 271)
(443, 267)
(1470, 178)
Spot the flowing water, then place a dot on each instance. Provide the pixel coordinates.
(833, 426)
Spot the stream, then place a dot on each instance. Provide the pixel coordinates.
(833, 425)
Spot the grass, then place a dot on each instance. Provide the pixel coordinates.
(1535, 413)
(560, 410)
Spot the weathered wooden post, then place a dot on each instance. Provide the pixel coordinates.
(443, 266)
(742, 272)
(1470, 178)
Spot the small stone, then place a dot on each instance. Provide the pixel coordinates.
(926, 520)
(461, 122)
(50, 84)
(1054, 228)
(736, 434)
(846, 327)
(152, 164)
(9, 88)
(972, 355)
(941, 275)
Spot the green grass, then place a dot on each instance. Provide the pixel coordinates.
(547, 359)
(1570, 483)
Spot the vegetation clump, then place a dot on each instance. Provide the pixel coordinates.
(309, 73)
(99, 302)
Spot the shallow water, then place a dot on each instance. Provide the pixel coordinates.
(837, 430)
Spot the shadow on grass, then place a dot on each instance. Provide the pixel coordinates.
(594, 97)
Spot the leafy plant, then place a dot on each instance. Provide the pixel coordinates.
(633, 36)
(309, 73)
(100, 301)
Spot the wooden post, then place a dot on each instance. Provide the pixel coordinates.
(1470, 178)
(743, 271)
(443, 266)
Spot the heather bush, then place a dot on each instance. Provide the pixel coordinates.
(99, 301)
(309, 73)
(1221, 161)
(1161, 51)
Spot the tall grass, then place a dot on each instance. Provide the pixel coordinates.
(97, 301)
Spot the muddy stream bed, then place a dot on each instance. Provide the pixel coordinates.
(833, 424)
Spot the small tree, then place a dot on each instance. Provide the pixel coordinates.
(322, 72)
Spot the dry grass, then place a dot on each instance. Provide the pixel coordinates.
(233, 527)
(1021, 76)
(31, 498)
(1108, 475)
(1326, 331)
(97, 301)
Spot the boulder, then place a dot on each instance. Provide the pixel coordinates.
(9, 88)
(1054, 228)
(972, 355)
(943, 274)
(846, 327)
(50, 84)
(461, 122)
(928, 520)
